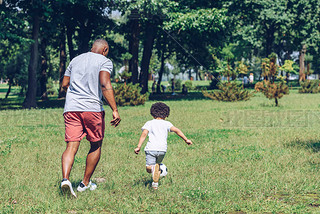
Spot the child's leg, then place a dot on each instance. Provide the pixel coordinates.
(150, 161)
(149, 169)
(156, 174)
(152, 166)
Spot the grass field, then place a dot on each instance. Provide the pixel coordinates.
(247, 157)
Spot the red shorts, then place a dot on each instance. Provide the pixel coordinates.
(80, 124)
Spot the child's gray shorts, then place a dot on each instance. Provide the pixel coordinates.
(153, 157)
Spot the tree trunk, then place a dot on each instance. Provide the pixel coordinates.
(85, 36)
(160, 73)
(134, 50)
(43, 74)
(70, 31)
(302, 76)
(30, 100)
(62, 65)
(9, 89)
(147, 53)
(276, 100)
(269, 39)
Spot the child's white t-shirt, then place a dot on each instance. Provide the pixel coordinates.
(158, 133)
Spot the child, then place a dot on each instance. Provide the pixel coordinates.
(156, 148)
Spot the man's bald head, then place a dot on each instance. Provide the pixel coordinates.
(100, 46)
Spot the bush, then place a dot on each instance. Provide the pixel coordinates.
(51, 90)
(129, 95)
(229, 92)
(178, 85)
(272, 90)
(188, 84)
(309, 86)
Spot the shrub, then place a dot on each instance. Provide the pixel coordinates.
(50, 87)
(129, 95)
(178, 85)
(269, 87)
(272, 90)
(188, 84)
(229, 92)
(309, 86)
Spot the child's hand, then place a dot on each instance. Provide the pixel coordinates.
(137, 150)
(189, 142)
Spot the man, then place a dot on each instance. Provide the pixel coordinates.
(86, 80)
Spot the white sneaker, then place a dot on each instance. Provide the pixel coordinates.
(154, 185)
(66, 187)
(82, 187)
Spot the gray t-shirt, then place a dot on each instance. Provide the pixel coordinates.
(84, 92)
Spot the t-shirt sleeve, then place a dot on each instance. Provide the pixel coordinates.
(107, 66)
(169, 125)
(68, 71)
(146, 126)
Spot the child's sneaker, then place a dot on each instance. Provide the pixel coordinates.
(82, 187)
(66, 187)
(156, 173)
(154, 185)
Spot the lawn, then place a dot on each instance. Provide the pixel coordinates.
(247, 157)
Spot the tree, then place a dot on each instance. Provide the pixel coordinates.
(195, 31)
(269, 87)
(288, 67)
(30, 100)
(14, 43)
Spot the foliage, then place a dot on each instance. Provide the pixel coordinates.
(268, 87)
(288, 67)
(189, 85)
(178, 85)
(129, 95)
(189, 30)
(242, 68)
(50, 87)
(265, 67)
(225, 69)
(309, 86)
(125, 75)
(272, 90)
(229, 92)
(200, 20)
(308, 58)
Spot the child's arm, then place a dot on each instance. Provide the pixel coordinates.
(142, 138)
(180, 134)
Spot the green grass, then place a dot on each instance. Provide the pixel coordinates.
(247, 157)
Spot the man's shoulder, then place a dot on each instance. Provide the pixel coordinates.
(79, 57)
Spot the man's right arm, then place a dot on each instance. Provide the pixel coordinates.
(108, 94)
(65, 83)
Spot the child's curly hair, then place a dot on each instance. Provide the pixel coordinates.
(160, 110)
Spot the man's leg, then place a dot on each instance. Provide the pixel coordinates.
(67, 158)
(93, 158)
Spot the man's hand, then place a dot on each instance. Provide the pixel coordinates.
(116, 118)
(137, 150)
(189, 142)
